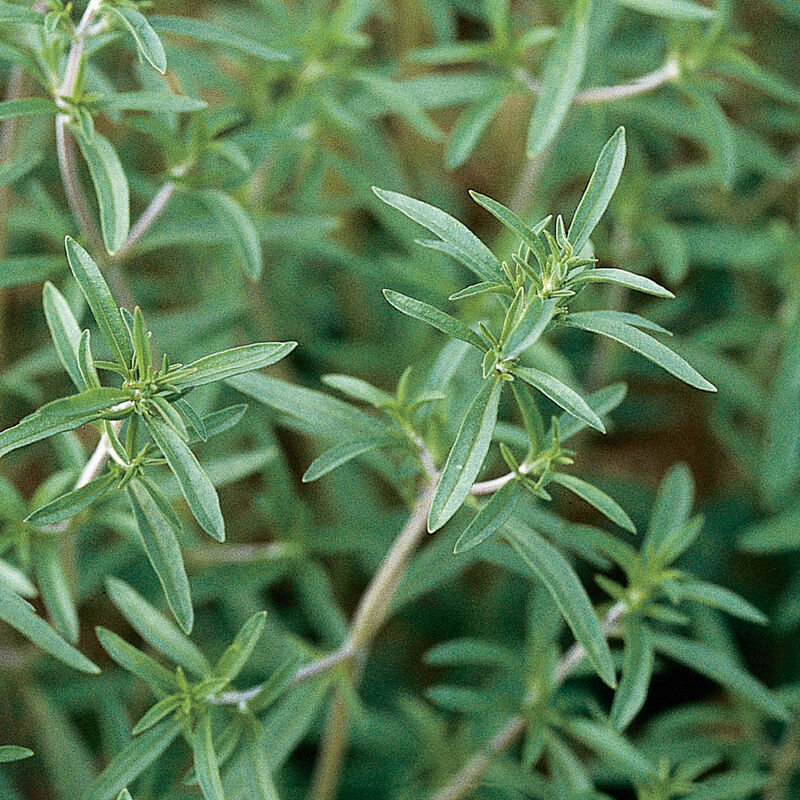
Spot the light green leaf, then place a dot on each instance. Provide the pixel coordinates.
(26, 107)
(236, 656)
(433, 316)
(19, 614)
(55, 588)
(596, 498)
(207, 32)
(641, 343)
(146, 39)
(16, 580)
(670, 9)
(467, 454)
(65, 332)
(101, 302)
(614, 749)
(469, 128)
(509, 219)
(157, 712)
(719, 667)
(156, 629)
(58, 416)
(719, 597)
(563, 70)
(470, 249)
(159, 528)
(260, 772)
(490, 518)
(637, 669)
(158, 678)
(340, 455)
(157, 102)
(625, 278)
(671, 508)
(110, 186)
(72, 503)
(133, 760)
(11, 752)
(226, 364)
(359, 390)
(200, 494)
(236, 222)
(561, 581)
(205, 760)
(560, 394)
(533, 323)
(600, 189)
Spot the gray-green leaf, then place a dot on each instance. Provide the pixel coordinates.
(595, 497)
(490, 518)
(146, 39)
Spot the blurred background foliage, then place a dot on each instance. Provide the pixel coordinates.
(388, 93)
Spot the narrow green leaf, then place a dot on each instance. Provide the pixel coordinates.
(200, 494)
(101, 302)
(433, 316)
(719, 667)
(598, 193)
(560, 394)
(509, 219)
(205, 760)
(55, 588)
(133, 760)
(72, 503)
(156, 629)
(26, 107)
(110, 186)
(490, 518)
(157, 102)
(159, 529)
(563, 70)
(563, 584)
(670, 9)
(470, 249)
(19, 15)
(11, 752)
(236, 222)
(533, 323)
(15, 580)
(625, 278)
(614, 749)
(158, 678)
(146, 39)
(226, 364)
(207, 32)
(260, 772)
(469, 128)
(467, 454)
(602, 402)
(340, 455)
(637, 669)
(596, 498)
(671, 508)
(642, 343)
(157, 712)
(236, 656)
(19, 614)
(359, 390)
(65, 332)
(58, 416)
(719, 597)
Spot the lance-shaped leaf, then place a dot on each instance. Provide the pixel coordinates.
(614, 749)
(671, 508)
(11, 752)
(205, 760)
(226, 364)
(55, 588)
(511, 220)
(563, 584)
(721, 669)
(196, 486)
(602, 402)
(150, 101)
(642, 343)
(467, 454)
(340, 455)
(470, 249)
(65, 332)
(709, 594)
(58, 416)
(133, 760)
(26, 107)
(145, 38)
(72, 503)
(159, 528)
(156, 629)
(624, 278)
(238, 225)
(16, 580)
(560, 394)
(260, 772)
(532, 324)
(236, 656)
(158, 678)
(637, 669)
(433, 316)
(606, 505)
(101, 302)
(110, 186)
(563, 70)
(490, 518)
(359, 390)
(671, 9)
(599, 190)
(208, 32)
(470, 127)
(163, 708)
(19, 614)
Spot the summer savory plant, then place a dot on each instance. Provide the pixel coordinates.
(437, 554)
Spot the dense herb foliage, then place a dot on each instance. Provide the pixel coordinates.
(399, 400)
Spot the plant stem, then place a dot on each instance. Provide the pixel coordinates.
(146, 220)
(469, 777)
